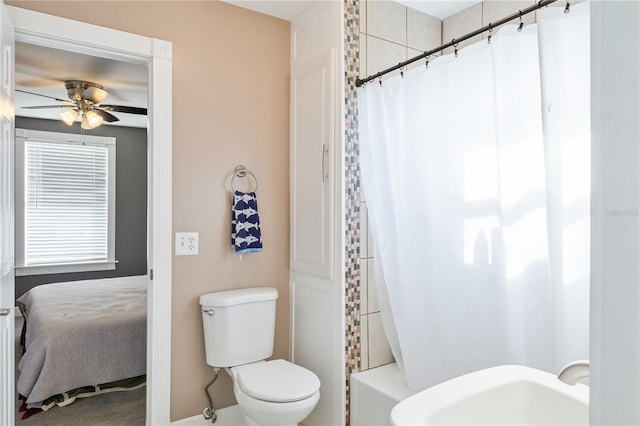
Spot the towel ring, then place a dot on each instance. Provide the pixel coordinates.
(240, 172)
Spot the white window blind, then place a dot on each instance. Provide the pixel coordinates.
(67, 201)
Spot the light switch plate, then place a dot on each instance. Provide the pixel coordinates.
(186, 244)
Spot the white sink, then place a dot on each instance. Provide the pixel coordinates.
(505, 395)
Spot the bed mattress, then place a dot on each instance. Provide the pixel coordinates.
(82, 333)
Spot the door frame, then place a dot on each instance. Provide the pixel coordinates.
(66, 34)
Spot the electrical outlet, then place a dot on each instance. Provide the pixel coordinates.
(186, 244)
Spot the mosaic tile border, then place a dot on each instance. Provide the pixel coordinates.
(353, 348)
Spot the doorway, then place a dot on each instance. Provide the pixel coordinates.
(73, 36)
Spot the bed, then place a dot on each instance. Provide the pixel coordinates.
(81, 334)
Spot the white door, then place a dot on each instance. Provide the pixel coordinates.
(312, 149)
(7, 397)
(317, 247)
(313, 262)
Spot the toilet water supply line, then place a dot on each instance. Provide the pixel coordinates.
(210, 412)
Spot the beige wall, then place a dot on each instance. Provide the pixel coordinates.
(230, 106)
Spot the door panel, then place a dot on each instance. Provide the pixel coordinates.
(312, 150)
(7, 338)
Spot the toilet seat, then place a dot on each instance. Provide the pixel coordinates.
(277, 381)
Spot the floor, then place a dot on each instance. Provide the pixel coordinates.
(111, 409)
(230, 416)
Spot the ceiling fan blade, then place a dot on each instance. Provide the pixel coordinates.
(109, 118)
(94, 94)
(44, 96)
(127, 109)
(47, 106)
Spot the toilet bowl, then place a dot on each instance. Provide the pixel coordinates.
(274, 393)
(239, 330)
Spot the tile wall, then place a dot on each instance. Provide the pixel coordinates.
(352, 199)
(480, 15)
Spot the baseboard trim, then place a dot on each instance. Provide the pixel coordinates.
(229, 416)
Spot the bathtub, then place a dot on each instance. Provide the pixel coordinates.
(374, 393)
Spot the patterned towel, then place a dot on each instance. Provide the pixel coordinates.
(245, 223)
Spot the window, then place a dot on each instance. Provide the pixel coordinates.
(65, 202)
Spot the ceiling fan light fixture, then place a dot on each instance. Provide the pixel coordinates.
(69, 116)
(95, 94)
(85, 123)
(84, 101)
(93, 119)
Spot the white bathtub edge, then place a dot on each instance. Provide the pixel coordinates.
(374, 393)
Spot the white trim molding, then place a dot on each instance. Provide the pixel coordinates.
(63, 268)
(60, 33)
(159, 302)
(615, 214)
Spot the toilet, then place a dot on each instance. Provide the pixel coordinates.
(239, 327)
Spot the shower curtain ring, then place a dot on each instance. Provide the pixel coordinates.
(401, 72)
(455, 47)
(567, 8)
(521, 23)
(427, 61)
(490, 31)
(380, 80)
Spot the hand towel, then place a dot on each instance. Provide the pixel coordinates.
(246, 236)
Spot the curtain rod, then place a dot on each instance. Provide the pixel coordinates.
(542, 3)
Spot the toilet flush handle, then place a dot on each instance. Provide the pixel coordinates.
(208, 312)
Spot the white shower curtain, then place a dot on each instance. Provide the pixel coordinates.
(476, 176)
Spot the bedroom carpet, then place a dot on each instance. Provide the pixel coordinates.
(111, 409)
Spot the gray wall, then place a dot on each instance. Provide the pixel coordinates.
(131, 202)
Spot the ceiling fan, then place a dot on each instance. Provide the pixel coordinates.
(85, 98)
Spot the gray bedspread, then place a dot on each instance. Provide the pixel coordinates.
(82, 333)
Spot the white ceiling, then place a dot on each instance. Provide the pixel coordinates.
(289, 9)
(283, 9)
(441, 8)
(44, 70)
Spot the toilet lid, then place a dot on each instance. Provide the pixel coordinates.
(278, 381)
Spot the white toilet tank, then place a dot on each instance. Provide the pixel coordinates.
(239, 325)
